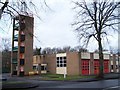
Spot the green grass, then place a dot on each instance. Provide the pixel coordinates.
(61, 77)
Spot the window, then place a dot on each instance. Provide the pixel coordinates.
(64, 65)
(22, 25)
(43, 67)
(60, 58)
(57, 65)
(22, 49)
(64, 61)
(34, 67)
(57, 61)
(22, 37)
(117, 66)
(21, 61)
(64, 58)
(111, 66)
(61, 62)
(57, 58)
(61, 65)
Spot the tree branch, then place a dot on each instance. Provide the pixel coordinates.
(3, 7)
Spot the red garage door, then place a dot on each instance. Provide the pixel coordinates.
(85, 67)
(106, 66)
(96, 66)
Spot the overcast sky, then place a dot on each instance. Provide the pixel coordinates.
(55, 30)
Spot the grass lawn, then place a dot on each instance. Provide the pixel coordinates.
(61, 77)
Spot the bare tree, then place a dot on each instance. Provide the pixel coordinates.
(96, 19)
(10, 9)
(37, 51)
(3, 7)
(6, 63)
(27, 7)
(6, 44)
(47, 50)
(6, 54)
(83, 50)
(55, 50)
(80, 49)
(66, 48)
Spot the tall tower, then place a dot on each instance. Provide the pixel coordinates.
(22, 45)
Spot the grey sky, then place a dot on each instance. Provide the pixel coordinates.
(55, 30)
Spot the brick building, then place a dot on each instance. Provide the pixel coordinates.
(74, 63)
(22, 45)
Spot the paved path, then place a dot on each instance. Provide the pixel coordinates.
(33, 81)
(94, 85)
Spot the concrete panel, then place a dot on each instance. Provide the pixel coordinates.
(43, 64)
(43, 72)
(117, 70)
(61, 55)
(106, 56)
(116, 62)
(35, 64)
(96, 56)
(85, 55)
(111, 62)
(34, 59)
(111, 70)
(61, 70)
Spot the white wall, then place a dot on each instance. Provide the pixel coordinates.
(111, 70)
(61, 70)
(43, 71)
(111, 62)
(61, 55)
(106, 56)
(117, 70)
(85, 55)
(96, 56)
(116, 62)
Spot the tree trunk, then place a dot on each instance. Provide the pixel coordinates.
(100, 75)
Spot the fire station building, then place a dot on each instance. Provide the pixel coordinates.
(74, 63)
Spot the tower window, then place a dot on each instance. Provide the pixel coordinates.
(21, 61)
